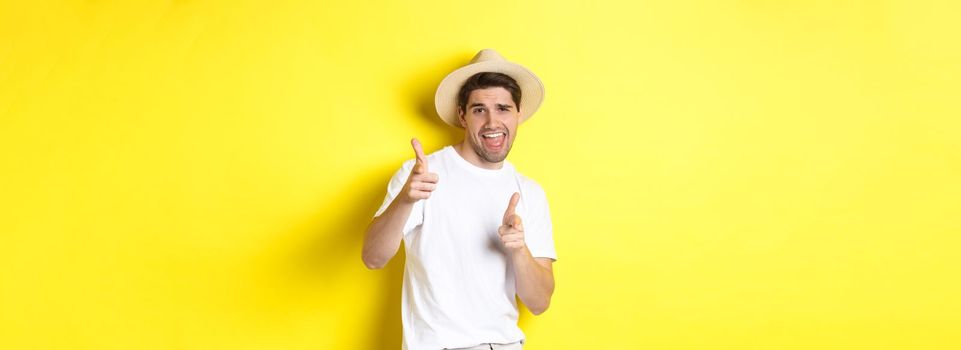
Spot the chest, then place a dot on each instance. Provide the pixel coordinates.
(464, 213)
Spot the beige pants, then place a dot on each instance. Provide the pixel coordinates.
(488, 346)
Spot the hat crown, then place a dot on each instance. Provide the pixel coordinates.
(487, 55)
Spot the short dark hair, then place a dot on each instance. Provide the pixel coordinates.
(484, 80)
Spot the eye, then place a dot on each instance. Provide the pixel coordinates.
(478, 110)
(504, 109)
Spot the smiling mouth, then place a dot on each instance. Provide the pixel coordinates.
(494, 140)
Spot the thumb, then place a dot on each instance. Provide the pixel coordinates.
(509, 213)
(420, 165)
(517, 223)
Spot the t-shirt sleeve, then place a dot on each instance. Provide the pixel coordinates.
(394, 187)
(538, 230)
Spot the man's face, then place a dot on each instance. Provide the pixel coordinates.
(490, 123)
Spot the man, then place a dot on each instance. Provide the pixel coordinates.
(476, 232)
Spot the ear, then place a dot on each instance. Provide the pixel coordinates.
(460, 117)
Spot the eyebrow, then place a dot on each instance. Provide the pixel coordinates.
(500, 105)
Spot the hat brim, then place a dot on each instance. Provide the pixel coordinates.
(532, 90)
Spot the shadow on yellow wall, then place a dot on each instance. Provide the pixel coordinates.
(333, 247)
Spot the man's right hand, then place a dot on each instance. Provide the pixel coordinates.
(420, 183)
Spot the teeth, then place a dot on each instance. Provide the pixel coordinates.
(490, 136)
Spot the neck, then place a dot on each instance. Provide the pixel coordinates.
(467, 152)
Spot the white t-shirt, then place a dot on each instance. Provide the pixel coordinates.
(458, 280)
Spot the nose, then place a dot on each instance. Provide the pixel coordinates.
(489, 119)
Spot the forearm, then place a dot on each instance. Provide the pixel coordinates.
(534, 282)
(385, 233)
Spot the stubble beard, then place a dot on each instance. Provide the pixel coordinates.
(487, 156)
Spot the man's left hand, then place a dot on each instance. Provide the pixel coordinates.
(512, 231)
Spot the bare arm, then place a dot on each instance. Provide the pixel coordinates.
(385, 232)
(535, 280)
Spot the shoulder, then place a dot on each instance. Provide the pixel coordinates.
(530, 187)
(405, 169)
(437, 157)
(534, 201)
(440, 155)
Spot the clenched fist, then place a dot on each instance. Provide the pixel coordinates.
(420, 183)
(511, 230)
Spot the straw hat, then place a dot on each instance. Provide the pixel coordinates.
(488, 60)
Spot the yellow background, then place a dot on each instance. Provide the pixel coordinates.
(722, 174)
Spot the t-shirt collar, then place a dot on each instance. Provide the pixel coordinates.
(506, 168)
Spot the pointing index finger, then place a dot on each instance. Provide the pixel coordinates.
(419, 153)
